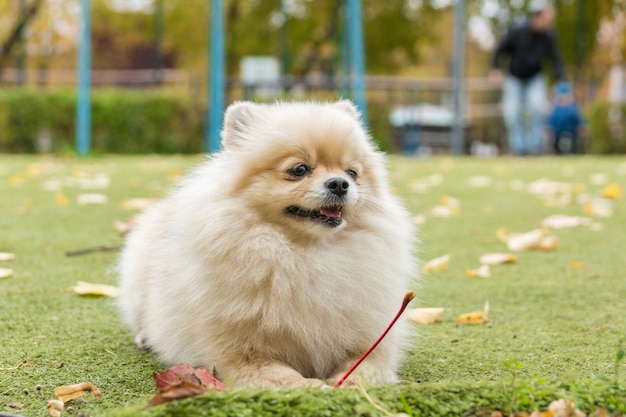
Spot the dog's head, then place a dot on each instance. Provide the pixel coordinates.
(310, 167)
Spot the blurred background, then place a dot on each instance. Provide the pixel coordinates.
(150, 69)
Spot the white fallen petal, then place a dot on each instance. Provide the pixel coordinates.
(559, 221)
(547, 243)
(5, 256)
(87, 288)
(525, 241)
(425, 315)
(497, 258)
(600, 207)
(5, 273)
(483, 272)
(437, 264)
(598, 178)
(448, 201)
(443, 211)
(52, 185)
(419, 220)
(137, 203)
(91, 199)
(479, 181)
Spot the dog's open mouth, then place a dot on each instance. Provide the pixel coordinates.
(328, 216)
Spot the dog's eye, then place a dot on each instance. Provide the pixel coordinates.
(299, 170)
(352, 173)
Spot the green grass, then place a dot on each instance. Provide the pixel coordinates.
(556, 332)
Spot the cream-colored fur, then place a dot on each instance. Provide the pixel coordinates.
(220, 275)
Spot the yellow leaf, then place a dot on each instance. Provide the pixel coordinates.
(475, 317)
(5, 273)
(424, 315)
(69, 392)
(5, 256)
(61, 199)
(576, 265)
(483, 272)
(612, 191)
(437, 264)
(497, 258)
(86, 288)
(448, 201)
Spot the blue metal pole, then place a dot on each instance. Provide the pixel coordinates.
(357, 55)
(216, 77)
(83, 101)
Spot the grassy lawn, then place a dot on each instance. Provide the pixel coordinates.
(554, 331)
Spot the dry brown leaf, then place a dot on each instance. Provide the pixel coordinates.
(483, 272)
(16, 405)
(87, 288)
(55, 408)
(437, 264)
(559, 221)
(5, 273)
(66, 393)
(497, 258)
(424, 315)
(5, 256)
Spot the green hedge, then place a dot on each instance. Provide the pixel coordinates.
(123, 121)
(607, 134)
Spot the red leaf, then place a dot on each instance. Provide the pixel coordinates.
(208, 380)
(182, 381)
(178, 391)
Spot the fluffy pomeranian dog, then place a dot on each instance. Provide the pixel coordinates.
(280, 260)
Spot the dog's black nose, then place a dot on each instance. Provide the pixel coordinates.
(337, 186)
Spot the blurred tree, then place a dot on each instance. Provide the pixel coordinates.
(26, 12)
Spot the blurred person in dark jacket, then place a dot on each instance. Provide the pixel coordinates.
(565, 120)
(524, 86)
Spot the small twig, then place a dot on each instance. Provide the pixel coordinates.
(92, 250)
(22, 363)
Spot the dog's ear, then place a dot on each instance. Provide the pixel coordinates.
(238, 119)
(348, 106)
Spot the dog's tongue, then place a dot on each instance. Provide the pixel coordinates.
(332, 212)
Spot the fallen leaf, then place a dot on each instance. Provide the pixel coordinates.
(598, 179)
(6, 256)
(437, 264)
(137, 203)
(525, 241)
(182, 381)
(497, 258)
(559, 221)
(576, 265)
(55, 408)
(91, 199)
(61, 199)
(547, 243)
(443, 211)
(479, 181)
(178, 391)
(475, 317)
(565, 408)
(424, 315)
(5, 273)
(446, 200)
(600, 207)
(15, 405)
(66, 393)
(483, 272)
(123, 227)
(612, 191)
(87, 288)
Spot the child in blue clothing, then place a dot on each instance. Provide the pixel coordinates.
(565, 119)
